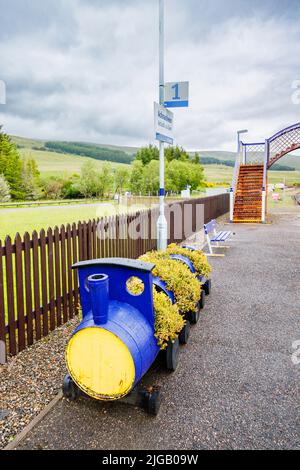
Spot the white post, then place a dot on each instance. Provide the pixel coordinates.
(263, 207)
(162, 231)
(244, 154)
(264, 188)
(231, 204)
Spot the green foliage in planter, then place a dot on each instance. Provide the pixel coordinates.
(168, 321)
(178, 278)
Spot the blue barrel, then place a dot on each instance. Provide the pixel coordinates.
(114, 345)
(201, 279)
(185, 260)
(161, 286)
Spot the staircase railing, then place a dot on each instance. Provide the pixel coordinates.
(264, 187)
(234, 180)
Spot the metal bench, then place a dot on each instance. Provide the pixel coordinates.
(217, 237)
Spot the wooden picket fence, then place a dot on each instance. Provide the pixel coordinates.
(39, 289)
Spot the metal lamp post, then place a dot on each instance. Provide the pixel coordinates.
(162, 229)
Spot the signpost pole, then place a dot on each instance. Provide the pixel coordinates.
(162, 230)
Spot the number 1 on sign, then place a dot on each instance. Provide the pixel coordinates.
(176, 88)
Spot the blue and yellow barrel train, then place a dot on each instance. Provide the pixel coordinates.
(131, 311)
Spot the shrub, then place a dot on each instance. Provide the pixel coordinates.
(11, 165)
(178, 278)
(4, 190)
(168, 320)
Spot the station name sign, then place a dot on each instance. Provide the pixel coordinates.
(163, 124)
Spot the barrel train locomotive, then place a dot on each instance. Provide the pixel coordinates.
(115, 345)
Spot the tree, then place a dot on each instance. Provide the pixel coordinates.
(11, 165)
(105, 179)
(4, 190)
(182, 174)
(151, 178)
(176, 153)
(136, 182)
(121, 178)
(30, 179)
(70, 188)
(196, 158)
(53, 189)
(88, 183)
(146, 154)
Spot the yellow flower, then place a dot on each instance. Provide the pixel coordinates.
(178, 277)
(168, 320)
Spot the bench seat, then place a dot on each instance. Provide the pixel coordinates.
(216, 237)
(221, 237)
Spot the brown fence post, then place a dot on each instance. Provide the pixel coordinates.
(75, 259)
(69, 272)
(28, 288)
(63, 272)
(10, 297)
(20, 293)
(44, 282)
(3, 352)
(36, 283)
(51, 279)
(57, 276)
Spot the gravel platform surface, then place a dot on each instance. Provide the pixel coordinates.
(236, 386)
(29, 381)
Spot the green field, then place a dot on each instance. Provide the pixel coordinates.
(36, 218)
(58, 164)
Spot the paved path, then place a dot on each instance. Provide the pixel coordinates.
(236, 386)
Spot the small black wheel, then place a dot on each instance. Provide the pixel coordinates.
(154, 402)
(202, 300)
(172, 355)
(194, 316)
(207, 287)
(185, 333)
(70, 389)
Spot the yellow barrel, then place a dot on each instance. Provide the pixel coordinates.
(100, 363)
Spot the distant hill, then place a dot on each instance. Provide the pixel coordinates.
(124, 154)
(24, 142)
(290, 162)
(53, 163)
(95, 151)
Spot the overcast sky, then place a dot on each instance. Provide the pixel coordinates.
(88, 69)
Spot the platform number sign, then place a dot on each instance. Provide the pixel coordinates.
(176, 95)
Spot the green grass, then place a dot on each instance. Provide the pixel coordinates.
(58, 164)
(218, 174)
(30, 219)
(285, 201)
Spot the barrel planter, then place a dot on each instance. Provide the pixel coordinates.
(194, 315)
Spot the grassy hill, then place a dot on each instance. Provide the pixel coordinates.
(291, 160)
(57, 163)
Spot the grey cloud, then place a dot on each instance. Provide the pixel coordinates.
(88, 68)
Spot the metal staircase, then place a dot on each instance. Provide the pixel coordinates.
(248, 188)
(249, 183)
(248, 196)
